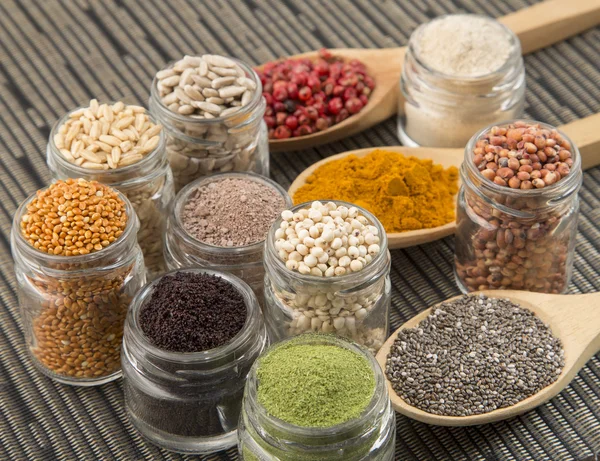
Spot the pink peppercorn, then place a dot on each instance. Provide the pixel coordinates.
(304, 96)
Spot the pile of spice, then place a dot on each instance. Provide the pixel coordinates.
(232, 212)
(461, 73)
(523, 156)
(510, 251)
(405, 193)
(330, 241)
(104, 136)
(79, 327)
(314, 385)
(205, 87)
(472, 356)
(192, 312)
(305, 96)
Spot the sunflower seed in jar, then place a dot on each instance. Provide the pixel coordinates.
(90, 135)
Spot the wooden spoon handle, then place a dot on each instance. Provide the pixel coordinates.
(551, 21)
(585, 133)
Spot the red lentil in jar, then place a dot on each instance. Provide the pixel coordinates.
(517, 209)
(305, 96)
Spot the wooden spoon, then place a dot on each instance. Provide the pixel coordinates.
(537, 26)
(572, 318)
(585, 133)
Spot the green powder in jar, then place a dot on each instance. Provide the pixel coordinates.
(314, 385)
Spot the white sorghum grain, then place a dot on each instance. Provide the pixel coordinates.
(107, 136)
(331, 232)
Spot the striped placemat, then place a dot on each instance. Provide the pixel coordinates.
(57, 54)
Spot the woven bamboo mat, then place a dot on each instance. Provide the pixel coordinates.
(57, 54)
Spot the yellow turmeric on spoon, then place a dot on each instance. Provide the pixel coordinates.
(405, 193)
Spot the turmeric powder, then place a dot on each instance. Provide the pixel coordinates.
(405, 193)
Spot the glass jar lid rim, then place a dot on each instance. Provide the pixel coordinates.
(571, 182)
(80, 171)
(252, 310)
(373, 221)
(379, 392)
(515, 51)
(182, 199)
(130, 227)
(187, 119)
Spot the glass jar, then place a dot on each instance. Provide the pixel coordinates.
(200, 147)
(444, 110)
(73, 307)
(148, 184)
(183, 250)
(512, 238)
(371, 437)
(355, 305)
(189, 402)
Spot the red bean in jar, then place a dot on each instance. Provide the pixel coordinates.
(517, 209)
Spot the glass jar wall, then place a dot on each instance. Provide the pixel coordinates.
(189, 402)
(200, 147)
(513, 238)
(148, 184)
(443, 110)
(369, 437)
(183, 250)
(354, 305)
(73, 307)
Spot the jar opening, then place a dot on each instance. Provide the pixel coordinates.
(158, 155)
(311, 435)
(183, 197)
(207, 356)
(51, 261)
(308, 279)
(244, 111)
(505, 68)
(558, 191)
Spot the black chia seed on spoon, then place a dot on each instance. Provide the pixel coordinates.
(474, 355)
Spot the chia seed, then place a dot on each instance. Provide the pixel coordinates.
(472, 356)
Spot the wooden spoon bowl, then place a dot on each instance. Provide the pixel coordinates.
(537, 26)
(574, 319)
(584, 133)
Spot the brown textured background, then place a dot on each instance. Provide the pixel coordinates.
(57, 54)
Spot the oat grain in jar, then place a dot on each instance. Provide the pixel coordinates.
(77, 264)
(221, 222)
(212, 110)
(124, 147)
(327, 270)
(518, 209)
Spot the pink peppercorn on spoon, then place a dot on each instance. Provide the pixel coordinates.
(537, 26)
(573, 319)
(585, 133)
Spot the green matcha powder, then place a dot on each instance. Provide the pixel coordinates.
(314, 385)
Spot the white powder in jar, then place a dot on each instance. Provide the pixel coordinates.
(463, 45)
(462, 73)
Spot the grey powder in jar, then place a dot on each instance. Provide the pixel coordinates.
(232, 212)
